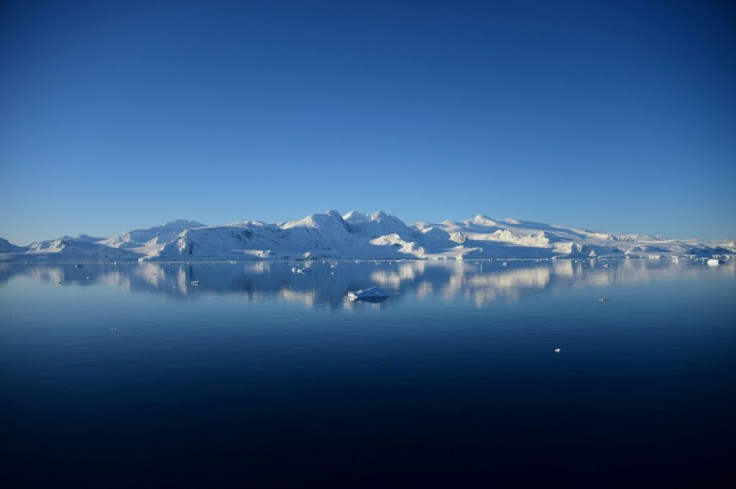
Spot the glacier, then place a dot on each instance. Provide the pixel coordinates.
(358, 236)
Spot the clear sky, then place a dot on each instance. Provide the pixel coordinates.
(615, 116)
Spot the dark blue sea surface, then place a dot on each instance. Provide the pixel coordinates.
(264, 375)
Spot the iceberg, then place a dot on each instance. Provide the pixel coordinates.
(373, 294)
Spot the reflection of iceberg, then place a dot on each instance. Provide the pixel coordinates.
(308, 298)
(509, 283)
(528, 278)
(407, 272)
(373, 294)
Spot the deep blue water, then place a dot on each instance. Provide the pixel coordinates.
(129, 376)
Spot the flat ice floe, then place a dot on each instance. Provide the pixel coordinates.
(370, 294)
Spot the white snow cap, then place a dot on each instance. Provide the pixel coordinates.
(484, 221)
(355, 217)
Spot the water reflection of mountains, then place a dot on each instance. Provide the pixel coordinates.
(327, 284)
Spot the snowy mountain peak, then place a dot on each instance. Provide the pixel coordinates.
(86, 237)
(180, 224)
(482, 220)
(355, 217)
(387, 219)
(358, 236)
(155, 236)
(328, 219)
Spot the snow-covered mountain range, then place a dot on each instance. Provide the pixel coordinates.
(377, 236)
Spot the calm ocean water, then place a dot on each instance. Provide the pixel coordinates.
(261, 376)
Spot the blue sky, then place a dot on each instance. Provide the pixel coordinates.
(615, 116)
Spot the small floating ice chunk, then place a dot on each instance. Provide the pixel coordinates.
(712, 262)
(374, 294)
(558, 350)
(194, 282)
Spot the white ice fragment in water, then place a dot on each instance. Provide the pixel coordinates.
(371, 294)
(712, 262)
(194, 282)
(558, 350)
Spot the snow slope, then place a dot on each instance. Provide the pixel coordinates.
(158, 235)
(72, 249)
(358, 236)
